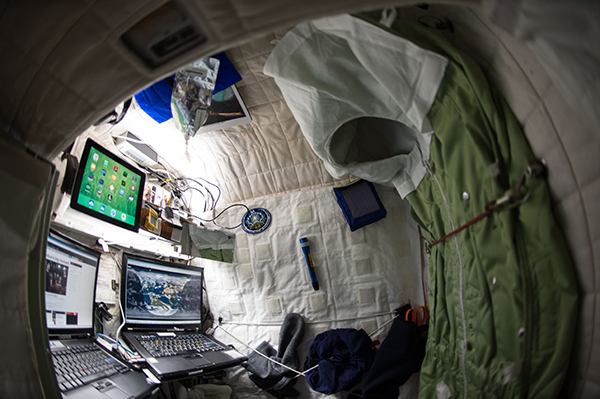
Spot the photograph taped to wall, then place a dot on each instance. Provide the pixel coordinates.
(226, 110)
(156, 195)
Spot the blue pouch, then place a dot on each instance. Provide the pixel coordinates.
(360, 203)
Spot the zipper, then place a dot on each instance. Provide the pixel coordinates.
(463, 346)
(528, 316)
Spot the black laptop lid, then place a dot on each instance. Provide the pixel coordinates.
(70, 286)
(160, 295)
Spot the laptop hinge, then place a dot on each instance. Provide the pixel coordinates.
(68, 336)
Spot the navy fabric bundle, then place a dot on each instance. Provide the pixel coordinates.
(400, 355)
(343, 356)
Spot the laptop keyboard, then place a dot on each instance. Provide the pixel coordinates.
(159, 346)
(82, 365)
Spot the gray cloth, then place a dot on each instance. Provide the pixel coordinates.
(290, 336)
(213, 239)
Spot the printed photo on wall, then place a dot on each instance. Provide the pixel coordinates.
(227, 109)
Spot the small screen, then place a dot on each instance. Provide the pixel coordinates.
(108, 187)
(162, 292)
(70, 285)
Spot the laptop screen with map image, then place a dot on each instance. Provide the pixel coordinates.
(158, 294)
(162, 303)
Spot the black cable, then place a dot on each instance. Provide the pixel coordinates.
(212, 198)
(201, 185)
(214, 202)
(194, 188)
(216, 217)
(172, 188)
(214, 185)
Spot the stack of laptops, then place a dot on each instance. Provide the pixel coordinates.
(162, 303)
(83, 368)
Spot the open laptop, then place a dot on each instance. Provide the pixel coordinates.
(162, 303)
(83, 368)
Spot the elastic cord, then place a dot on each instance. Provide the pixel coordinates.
(263, 355)
(298, 373)
(309, 322)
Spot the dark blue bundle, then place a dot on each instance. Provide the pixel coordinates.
(343, 356)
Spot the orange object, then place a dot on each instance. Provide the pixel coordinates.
(417, 316)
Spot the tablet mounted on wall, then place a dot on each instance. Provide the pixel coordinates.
(108, 188)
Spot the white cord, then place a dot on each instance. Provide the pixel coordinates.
(261, 354)
(298, 373)
(388, 16)
(309, 322)
(118, 333)
(382, 327)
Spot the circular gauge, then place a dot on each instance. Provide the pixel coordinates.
(256, 220)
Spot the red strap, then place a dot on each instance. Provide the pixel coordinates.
(464, 226)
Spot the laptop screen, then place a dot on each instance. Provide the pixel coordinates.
(161, 293)
(70, 285)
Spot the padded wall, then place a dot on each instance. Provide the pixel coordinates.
(64, 65)
(23, 224)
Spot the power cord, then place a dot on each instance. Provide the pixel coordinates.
(216, 217)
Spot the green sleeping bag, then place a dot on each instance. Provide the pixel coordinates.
(503, 295)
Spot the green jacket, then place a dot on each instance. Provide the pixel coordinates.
(503, 297)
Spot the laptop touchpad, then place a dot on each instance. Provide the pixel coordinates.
(199, 361)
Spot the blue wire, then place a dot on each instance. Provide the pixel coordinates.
(100, 320)
(116, 342)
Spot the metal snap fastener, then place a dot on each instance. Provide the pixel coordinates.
(466, 196)
(494, 280)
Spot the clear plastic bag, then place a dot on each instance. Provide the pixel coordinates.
(192, 94)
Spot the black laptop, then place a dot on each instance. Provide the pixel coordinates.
(83, 368)
(162, 303)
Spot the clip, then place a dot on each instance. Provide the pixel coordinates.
(510, 199)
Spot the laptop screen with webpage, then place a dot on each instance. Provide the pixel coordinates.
(161, 293)
(71, 270)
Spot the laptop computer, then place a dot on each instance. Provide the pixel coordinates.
(83, 368)
(162, 303)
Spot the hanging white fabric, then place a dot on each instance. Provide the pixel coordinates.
(361, 96)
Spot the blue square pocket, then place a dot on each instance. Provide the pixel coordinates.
(360, 203)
